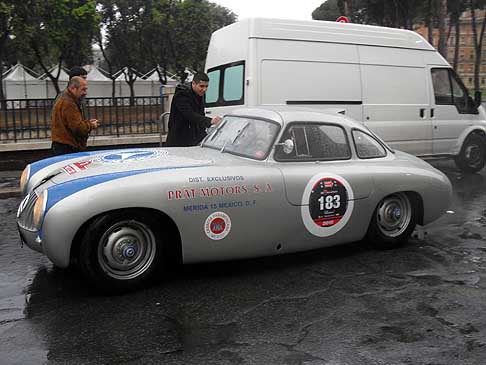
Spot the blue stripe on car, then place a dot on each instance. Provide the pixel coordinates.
(63, 190)
(39, 165)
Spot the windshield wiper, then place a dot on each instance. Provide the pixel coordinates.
(47, 178)
(235, 138)
(240, 132)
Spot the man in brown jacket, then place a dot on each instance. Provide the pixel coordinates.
(69, 131)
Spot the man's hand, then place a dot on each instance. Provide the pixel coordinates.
(215, 120)
(95, 123)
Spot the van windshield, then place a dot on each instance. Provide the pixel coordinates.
(247, 137)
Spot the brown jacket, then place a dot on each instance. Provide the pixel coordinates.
(67, 124)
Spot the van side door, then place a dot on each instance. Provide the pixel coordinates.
(452, 109)
(396, 97)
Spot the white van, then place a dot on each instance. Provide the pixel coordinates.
(392, 80)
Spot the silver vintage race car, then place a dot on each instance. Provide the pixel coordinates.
(262, 183)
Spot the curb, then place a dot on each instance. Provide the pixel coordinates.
(10, 193)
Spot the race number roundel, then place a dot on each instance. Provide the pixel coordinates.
(217, 226)
(327, 204)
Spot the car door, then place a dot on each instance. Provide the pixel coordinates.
(321, 177)
(452, 109)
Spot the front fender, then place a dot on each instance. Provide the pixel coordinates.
(471, 129)
(65, 215)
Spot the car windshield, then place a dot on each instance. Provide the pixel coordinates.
(242, 136)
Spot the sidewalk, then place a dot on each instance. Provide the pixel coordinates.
(15, 156)
(9, 184)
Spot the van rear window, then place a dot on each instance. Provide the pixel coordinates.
(226, 86)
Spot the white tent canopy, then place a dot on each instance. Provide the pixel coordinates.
(19, 83)
(124, 71)
(95, 75)
(154, 76)
(63, 76)
(19, 73)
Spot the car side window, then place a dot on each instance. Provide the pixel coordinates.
(314, 142)
(367, 146)
(449, 90)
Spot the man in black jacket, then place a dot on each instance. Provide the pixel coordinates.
(187, 121)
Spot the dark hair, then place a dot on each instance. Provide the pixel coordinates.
(77, 71)
(200, 76)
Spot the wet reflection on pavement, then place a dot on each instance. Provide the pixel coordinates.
(419, 304)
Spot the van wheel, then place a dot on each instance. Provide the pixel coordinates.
(393, 221)
(121, 251)
(473, 154)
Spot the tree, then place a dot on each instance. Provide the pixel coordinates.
(192, 26)
(7, 13)
(124, 21)
(57, 32)
(455, 8)
(346, 7)
(161, 34)
(477, 37)
(442, 47)
(328, 10)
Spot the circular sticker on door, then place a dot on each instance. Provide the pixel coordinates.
(327, 204)
(217, 226)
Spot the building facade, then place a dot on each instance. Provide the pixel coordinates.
(466, 56)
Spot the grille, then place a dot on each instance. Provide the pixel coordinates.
(26, 212)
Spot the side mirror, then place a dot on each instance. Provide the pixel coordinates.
(477, 98)
(287, 146)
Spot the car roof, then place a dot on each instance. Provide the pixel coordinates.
(284, 116)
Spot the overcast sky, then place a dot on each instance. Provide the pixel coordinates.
(288, 9)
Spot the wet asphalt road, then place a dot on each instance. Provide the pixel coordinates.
(424, 303)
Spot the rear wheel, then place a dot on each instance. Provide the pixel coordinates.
(473, 154)
(393, 221)
(121, 251)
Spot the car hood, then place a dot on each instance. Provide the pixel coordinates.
(133, 161)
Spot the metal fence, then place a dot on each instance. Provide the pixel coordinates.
(29, 119)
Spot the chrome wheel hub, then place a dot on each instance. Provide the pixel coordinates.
(394, 214)
(127, 249)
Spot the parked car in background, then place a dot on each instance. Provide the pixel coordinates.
(391, 80)
(264, 182)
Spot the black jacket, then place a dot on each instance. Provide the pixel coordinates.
(187, 123)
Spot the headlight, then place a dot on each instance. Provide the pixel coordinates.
(24, 179)
(39, 209)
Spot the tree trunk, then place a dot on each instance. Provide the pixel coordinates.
(478, 44)
(3, 41)
(3, 102)
(44, 67)
(348, 8)
(457, 44)
(430, 23)
(99, 39)
(442, 48)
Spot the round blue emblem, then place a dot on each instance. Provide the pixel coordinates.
(128, 156)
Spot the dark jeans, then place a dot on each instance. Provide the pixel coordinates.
(62, 149)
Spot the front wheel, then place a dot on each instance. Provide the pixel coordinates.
(121, 250)
(473, 154)
(393, 221)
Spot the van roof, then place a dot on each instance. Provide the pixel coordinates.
(334, 32)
